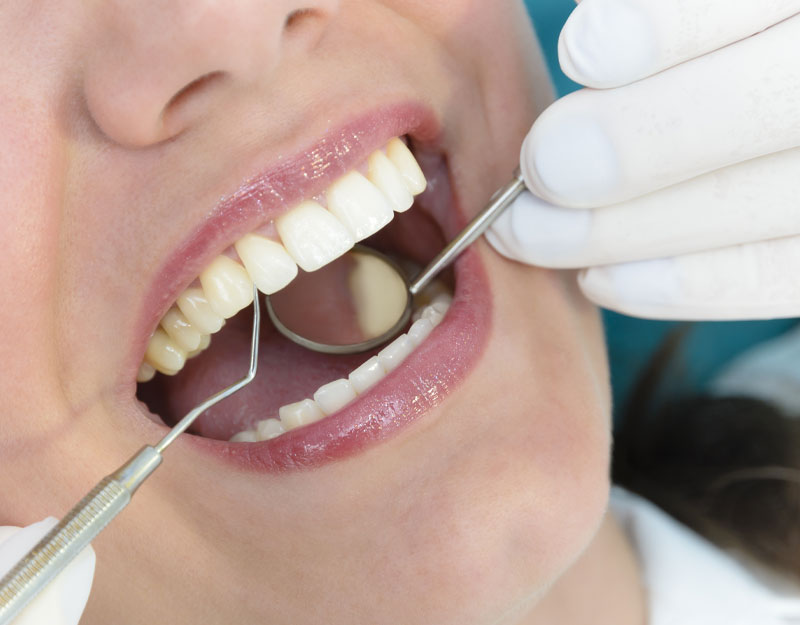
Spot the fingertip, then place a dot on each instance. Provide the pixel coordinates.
(646, 289)
(62, 602)
(569, 159)
(607, 43)
(77, 586)
(537, 233)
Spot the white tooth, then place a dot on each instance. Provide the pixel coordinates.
(164, 354)
(395, 352)
(367, 375)
(205, 341)
(180, 330)
(146, 373)
(359, 205)
(269, 265)
(384, 175)
(195, 307)
(405, 162)
(300, 413)
(442, 302)
(269, 429)
(227, 286)
(313, 236)
(248, 436)
(433, 315)
(419, 331)
(334, 396)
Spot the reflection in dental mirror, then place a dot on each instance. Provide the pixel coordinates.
(363, 299)
(350, 303)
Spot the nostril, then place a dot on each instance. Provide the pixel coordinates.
(178, 110)
(296, 18)
(304, 28)
(193, 89)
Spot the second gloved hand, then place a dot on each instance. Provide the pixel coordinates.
(675, 178)
(63, 601)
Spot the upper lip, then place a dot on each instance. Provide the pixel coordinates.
(268, 194)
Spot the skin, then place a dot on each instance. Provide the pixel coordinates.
(491, 509)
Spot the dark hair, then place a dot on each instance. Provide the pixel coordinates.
(728, 467)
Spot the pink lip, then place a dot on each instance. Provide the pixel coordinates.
(426, 377)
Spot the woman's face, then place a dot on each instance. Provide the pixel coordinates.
(139, 142)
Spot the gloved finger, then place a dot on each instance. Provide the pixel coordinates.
(609, 43)
(749, 281)
(595, 148)
(747, 202)
(63, 601)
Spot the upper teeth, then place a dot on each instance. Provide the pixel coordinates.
(311, 236)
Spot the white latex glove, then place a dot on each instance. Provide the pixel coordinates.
(675, 178)
(63, 601)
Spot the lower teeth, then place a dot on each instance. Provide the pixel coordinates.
(334, 396)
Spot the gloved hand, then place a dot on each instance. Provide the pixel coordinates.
(63, 601)
(675, 178)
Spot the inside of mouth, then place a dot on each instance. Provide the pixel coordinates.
(287, 372)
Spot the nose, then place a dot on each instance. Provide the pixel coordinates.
(156, 67)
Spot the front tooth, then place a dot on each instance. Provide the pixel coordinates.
(164, 354)
(300, 413)
(405, 162)
(334, 396)
(227, 286)
(367, 375)
(180, 330)
(384, 175)
(359, 205)
(420, 330)
(269, 265)
(146, 373)
(269, 429)
(195, 307)
(395, 352)
(313, 236)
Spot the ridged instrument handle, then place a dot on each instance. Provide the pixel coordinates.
(73, 533)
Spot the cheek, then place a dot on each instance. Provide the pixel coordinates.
(494, 527)
(32, 166)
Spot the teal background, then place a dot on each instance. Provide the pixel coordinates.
(631, 342)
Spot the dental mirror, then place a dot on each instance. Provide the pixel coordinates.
(364, 299)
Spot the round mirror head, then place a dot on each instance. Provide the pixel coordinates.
(351, 305)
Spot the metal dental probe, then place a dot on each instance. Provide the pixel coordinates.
(499, 202)
(104, 502)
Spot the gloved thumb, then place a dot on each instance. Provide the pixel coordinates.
(64, 600)
(535, 232)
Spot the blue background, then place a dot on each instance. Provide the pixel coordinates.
(631, 342)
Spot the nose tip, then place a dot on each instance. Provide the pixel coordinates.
(156, 69)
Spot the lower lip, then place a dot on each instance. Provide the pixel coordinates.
(424, 380)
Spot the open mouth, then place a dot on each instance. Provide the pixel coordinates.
(304, 407)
